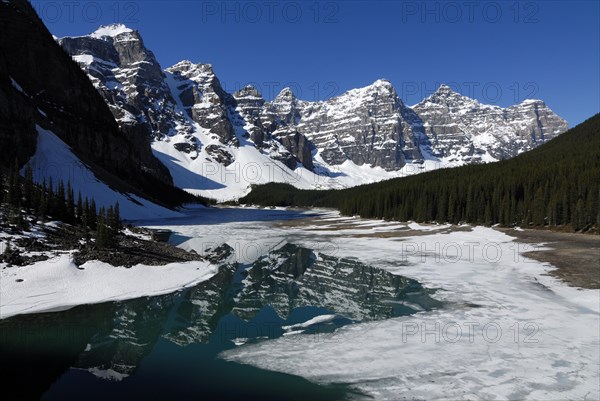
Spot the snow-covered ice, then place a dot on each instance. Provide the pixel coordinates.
(315, 320)
(110, 31)
(509, 330)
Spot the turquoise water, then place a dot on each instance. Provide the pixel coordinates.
(167, 347)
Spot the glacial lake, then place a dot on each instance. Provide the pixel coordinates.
(273, 282)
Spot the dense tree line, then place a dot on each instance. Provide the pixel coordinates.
(556, 184)
(21, 197)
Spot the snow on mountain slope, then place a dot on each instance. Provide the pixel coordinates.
(54, 159)
(462, 129)
(110, 31)
(218, 144)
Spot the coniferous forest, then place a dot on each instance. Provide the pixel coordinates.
(554, 185)
(21, 199)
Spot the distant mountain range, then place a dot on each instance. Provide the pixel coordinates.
(145, 128)
(555, 185)
(207, 137)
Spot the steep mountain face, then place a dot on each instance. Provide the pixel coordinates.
(365, 126)
(57, 96)
(203, 134)
(204, 100)
(462, 129)
(128, 77)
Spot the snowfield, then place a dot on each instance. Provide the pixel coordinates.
(54, 159)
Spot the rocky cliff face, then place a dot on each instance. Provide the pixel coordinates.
(200, 92)
(186, 107)
(462, 129)
(128, 77)
(364, 125)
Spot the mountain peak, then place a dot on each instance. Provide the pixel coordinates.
(247, 91)
(444, 89)
(286, 94)
(383, 82)
(445, 95)
(380, 84)
(110, 31)
(188, 68)
(183, 64)
(532, 101)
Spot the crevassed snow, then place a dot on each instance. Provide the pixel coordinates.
(58, 284)
(54, 158)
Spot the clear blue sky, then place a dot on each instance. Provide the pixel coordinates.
(499, 52)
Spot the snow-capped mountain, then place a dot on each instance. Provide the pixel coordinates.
(218, 144)
(128, 77)
(461, 129)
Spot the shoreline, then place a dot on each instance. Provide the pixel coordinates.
(575, 256)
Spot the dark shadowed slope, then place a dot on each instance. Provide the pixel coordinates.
(41, 85)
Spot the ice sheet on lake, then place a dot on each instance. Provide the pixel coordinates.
(510, 330)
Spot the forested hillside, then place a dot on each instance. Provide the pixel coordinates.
(554, 185)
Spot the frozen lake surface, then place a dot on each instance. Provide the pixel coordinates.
(311, 304)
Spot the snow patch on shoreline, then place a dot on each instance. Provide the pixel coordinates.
(58, 284)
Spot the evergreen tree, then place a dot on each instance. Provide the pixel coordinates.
(51, 199)
(116, 219)
(70, 210)
(61, 207)
(43, 204)
(92, 214)
(28, 186)
(105, 236)
(14, 187)
(101, 238)
(79, 209)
